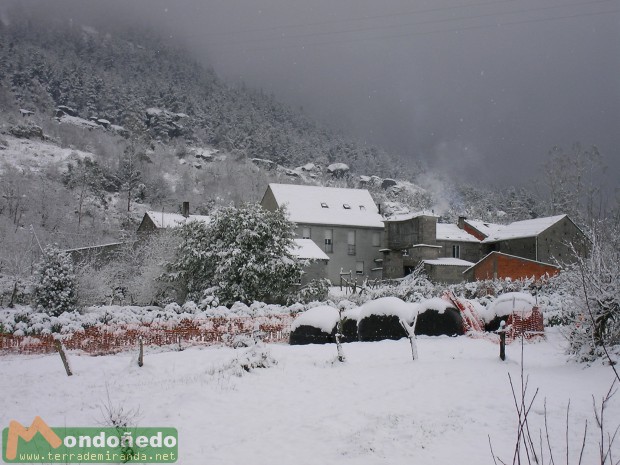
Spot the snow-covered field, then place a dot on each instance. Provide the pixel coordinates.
(379, 407)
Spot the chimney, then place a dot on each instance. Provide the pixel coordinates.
(461, 222)
(185, 209)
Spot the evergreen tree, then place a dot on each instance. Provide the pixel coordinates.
(243, 254)
(55, 283)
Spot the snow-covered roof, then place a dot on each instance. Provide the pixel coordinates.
(163, 220)
(328, 205)
(451, 232)
(525, 228)
(410, 216)
(307, 250)
(484, 227)
(448, 261)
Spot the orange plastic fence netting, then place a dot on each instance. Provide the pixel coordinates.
(530, 325)
(108, 339)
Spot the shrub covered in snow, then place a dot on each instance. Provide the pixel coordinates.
(315, 290)
(437, 317)
(350, 319)
(54, 288)
(15, 290)
(595, 318)
(380, 319)
(316, 325)
(500, 309)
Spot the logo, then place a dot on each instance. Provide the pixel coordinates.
(16, 431)
(41, 443)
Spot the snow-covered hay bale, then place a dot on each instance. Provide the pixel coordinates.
(438, 317)
(500, 309)
(315, 326)
(350, 319)
(380, 319)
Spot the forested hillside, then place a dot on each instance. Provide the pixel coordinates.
(117, 78)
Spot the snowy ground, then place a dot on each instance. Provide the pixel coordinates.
(377, 408)
(35, 155)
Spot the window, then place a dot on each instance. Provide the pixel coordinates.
(351, 242)
(456, 251)
(376, 239)
(359, 267)
(329, 244)
(324, 205)
(305, 233)
(346, 206)
(362, 208)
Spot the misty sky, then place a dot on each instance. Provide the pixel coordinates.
(480, 89)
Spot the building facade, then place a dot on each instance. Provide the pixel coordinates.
(344, 223)
(472, 250)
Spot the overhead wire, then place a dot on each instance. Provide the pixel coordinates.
(415, 23)
(358, 19)
(423, 33)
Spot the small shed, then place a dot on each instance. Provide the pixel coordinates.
(446, 270)
(498, 265)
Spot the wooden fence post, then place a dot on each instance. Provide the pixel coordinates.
(502, 340)
(63, 356)
(141, 354)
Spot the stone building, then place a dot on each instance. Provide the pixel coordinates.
(476, 250)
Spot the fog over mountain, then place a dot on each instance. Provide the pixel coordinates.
(478, 89)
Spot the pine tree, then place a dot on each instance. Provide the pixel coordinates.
(55, 285)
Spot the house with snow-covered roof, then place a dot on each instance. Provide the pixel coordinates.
(344, 223)
(478, 250)
(157, 221)
(553, 239)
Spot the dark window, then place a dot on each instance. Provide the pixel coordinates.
(346, 206)
(329, 245)
(351, 242)
(324, 205)
(456, 251)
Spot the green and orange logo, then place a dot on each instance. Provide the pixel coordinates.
(41, 443)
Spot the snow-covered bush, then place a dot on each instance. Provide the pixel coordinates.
(15, 290)
(380, 319)
(130, 276)
(437, 317)
(412, 288)
(54, 288)
(315, 290)
(595, 325)
(503, 306)
(350, 317)
(315, 326)
(243, 254)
